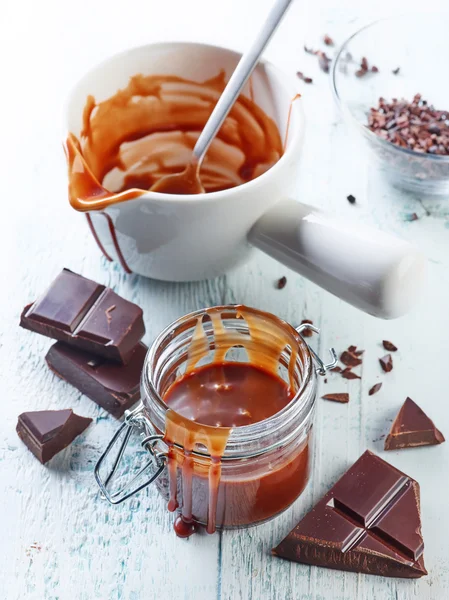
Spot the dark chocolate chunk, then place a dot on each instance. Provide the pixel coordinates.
(389, 346)
(337, 369)
(341, 397)
(307, 332)
(350, 359)
(411, 428)
(88, 316)
(328, 40)
(374, 69)
(281, 283)
(350, 199)
(376, 387)
(386, 363)
(348, 374)
(113, 386)
(47, 432)
(369, 522)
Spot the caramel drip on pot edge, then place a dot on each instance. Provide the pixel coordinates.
(148, 130)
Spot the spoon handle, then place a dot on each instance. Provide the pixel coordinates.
(238, 79)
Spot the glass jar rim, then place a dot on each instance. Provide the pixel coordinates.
(247, 440)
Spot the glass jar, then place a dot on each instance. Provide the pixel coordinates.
(260, 468)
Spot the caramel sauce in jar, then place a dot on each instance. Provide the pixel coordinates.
(232, 389)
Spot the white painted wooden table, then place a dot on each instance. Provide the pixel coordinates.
(58, 539)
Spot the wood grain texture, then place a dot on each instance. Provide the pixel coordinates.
(59, 540)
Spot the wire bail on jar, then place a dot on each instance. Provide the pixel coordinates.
(321, 368)
(134, 421)
(137, 421)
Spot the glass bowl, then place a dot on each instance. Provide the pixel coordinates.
(419, 45)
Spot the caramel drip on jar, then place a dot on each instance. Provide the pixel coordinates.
(194, 436)
(268, 338)
(147, 130)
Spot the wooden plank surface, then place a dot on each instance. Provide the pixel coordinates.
(58, 539)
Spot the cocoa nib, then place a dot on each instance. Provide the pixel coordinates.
(386, 363)
(396, 71)
(307, 332)
(364, 68)
(281, 283)
(304, 78)
(342, 398)
(349, 359)
(328, 40)
(351, 199)
(389, 346)
(324, 61)
(348, 374)
(415, 125)
(375, 389)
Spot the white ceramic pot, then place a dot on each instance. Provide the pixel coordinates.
(185, 238)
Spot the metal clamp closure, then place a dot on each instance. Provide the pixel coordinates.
(134, 421)
(321, 367)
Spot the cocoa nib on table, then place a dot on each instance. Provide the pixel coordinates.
(386, 363)
(343, 398)
(348, 374)
(353, 350)
(347, 530)
(307, 332)
(411, 428)
(376, 387)
(350, 359)
(389, 346)
(323, 60)
(281, 283)
(303, 77)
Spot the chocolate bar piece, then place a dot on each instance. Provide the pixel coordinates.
(369, 522)
(114, 387)
(88, 316)
(412, 427)
(47, 432)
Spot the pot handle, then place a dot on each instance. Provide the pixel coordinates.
(372, 270)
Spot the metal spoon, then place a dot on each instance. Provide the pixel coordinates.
(188, 181)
